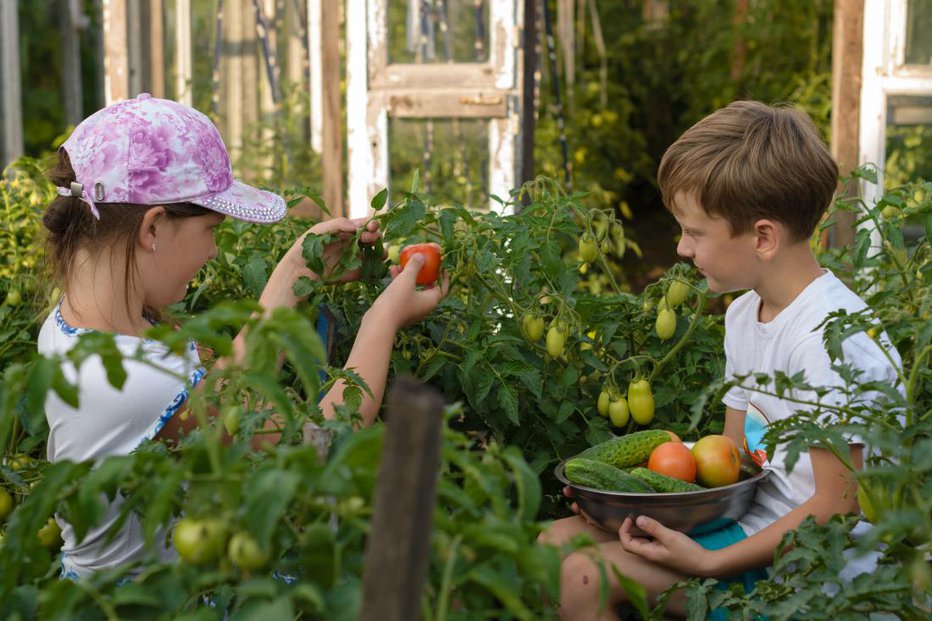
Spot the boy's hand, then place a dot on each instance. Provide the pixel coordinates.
(665, 546)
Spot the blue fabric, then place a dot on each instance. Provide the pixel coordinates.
(722, 538)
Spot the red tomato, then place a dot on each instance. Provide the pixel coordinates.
(431, 268)
(674, 460)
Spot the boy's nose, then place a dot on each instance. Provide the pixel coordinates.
(684, 249)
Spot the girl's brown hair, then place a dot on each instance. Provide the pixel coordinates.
(70, 226)
(750, 161)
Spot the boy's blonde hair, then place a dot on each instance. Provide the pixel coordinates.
(749, 161)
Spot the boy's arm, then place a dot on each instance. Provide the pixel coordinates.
(835, 493)
(734, 425)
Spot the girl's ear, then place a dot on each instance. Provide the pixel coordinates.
(152, 224)
(768, 238)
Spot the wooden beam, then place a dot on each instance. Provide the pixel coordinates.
(116, 57)
(69, 24)
(529, 50)
(332, 126)
(183, 68)
(847, 56)
(398, 550)
(315, 49)
(11, 103)
(156, 84)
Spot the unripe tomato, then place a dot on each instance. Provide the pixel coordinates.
(232, 414)
(13, 298)
(533, 327)
(666, 323)
(641, 401)
(6, 504)
(602, 403)
(199, 541)
(866, 504)
(889, 212)
(245, 553)
(50, 534)
(556, 339)
(618, 411)
(588, 248)
(431, 268)
(676, 293)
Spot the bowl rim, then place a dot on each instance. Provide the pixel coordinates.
(561, 476)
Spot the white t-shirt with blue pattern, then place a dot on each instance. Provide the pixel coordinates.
(109, 422)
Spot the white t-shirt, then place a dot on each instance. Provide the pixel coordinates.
(112, 422)
(791, 343)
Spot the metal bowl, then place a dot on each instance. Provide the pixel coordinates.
(689, 512)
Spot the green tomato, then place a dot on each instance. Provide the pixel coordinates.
(641, 401)
(618, 412)
(556, 339)
(232, 414)
(199, 541)
(245, 553)
(603, 402)
(677, 293)
(588, 248)
(666, 323)
(13, 297)
(533, 327)
(889, 212)
(6, 504)
(50, 534)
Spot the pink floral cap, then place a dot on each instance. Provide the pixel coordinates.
(149, 151)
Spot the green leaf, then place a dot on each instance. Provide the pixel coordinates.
(266, 496)
(508, 398)
(378, 201)
(263, 611)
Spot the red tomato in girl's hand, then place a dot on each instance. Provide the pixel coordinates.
(431, 268)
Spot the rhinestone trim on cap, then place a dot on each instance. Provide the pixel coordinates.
(254, 213)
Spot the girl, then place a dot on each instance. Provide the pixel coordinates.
(142, 186)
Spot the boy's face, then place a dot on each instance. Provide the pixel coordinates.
(727, 262)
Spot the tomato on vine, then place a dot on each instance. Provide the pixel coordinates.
(603, 402)
(532, 326)
(430, 271)
(588, 248)
(666, 323)
(199, 541)
(6, 504)
(641, 401)
(50, 534)
(677, 293)
(618, 411)
(556, 339)
(245, 553)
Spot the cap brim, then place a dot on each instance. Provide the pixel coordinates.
(245, 202)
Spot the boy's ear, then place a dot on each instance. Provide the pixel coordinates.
(768, 238)
(152, 221)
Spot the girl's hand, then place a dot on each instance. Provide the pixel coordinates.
(665, 546)
(344, 229)
(402, 303)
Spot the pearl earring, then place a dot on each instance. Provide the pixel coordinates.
(153, 246)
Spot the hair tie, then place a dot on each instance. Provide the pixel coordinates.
(77, 191)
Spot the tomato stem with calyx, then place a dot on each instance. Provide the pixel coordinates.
(692, 327)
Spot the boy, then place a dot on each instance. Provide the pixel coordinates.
(747, 185)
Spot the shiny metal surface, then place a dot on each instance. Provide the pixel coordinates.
(689, 512)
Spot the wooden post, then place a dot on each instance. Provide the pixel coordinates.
(529, 45)
(70, 22)
(11, 103)
(398, 550)
(315, 66)
(156, 84)
(847, 56)
(332, 135)
(116, 57)
(183, 67)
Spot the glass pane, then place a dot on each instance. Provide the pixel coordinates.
(450, 155)
(919, 32)
(438, 31)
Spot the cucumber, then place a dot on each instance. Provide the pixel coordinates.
(628, 450)
(602, 476)
(662, 483)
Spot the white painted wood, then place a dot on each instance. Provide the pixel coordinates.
(359, 153)
(11, 107)
(184, 71)
(315, 82)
